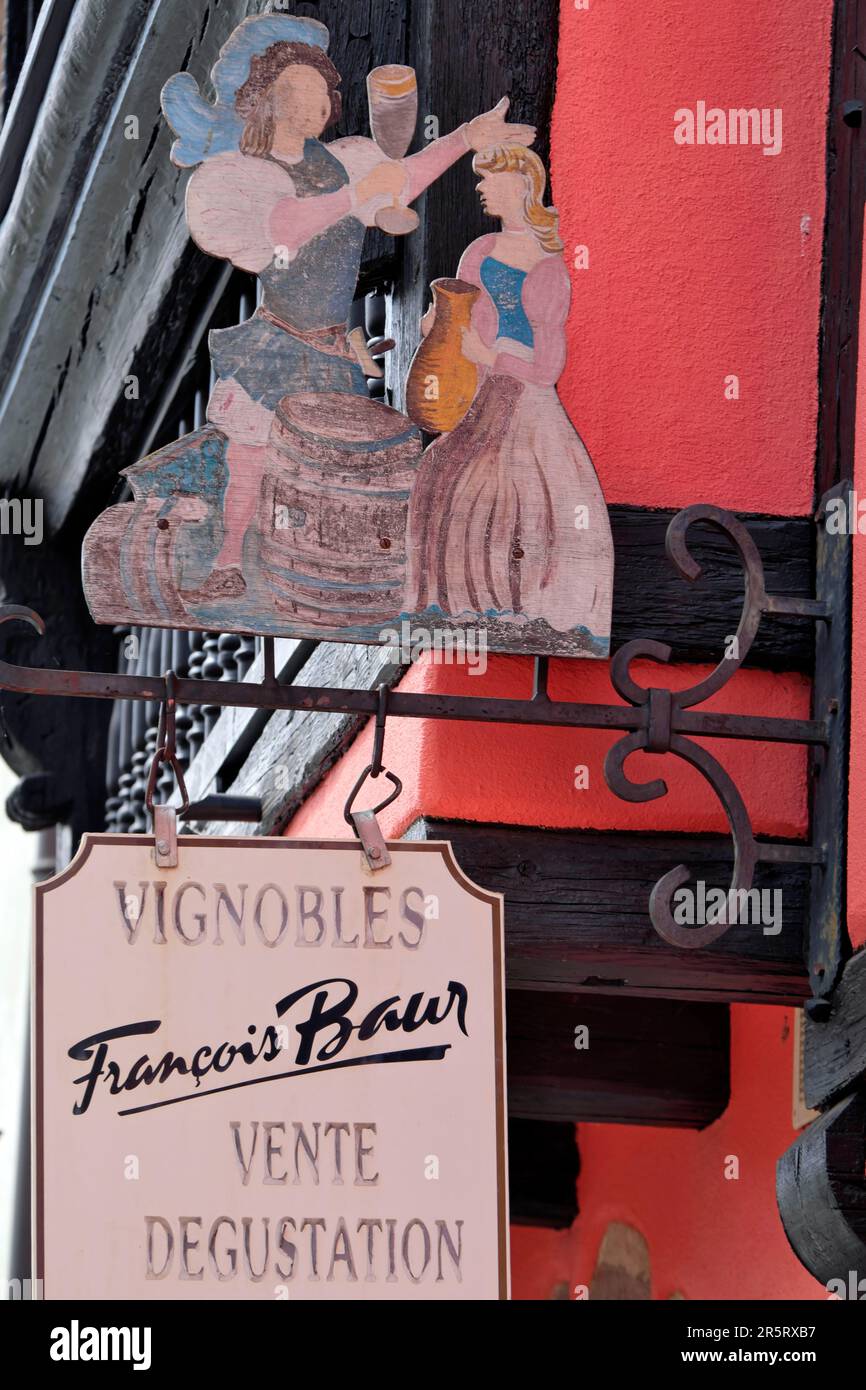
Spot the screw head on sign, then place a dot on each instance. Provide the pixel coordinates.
(162, 846)
(375, 853)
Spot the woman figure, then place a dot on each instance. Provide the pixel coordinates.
(272, 199)
(507, 519)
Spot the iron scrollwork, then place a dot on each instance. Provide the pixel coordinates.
(664, 719)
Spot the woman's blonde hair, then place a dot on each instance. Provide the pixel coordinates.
(544, 222)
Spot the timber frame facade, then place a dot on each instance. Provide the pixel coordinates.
(102, 359)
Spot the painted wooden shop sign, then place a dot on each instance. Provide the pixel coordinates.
(269, 1074)
(304, 508)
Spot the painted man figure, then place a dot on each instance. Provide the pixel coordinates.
(273, 200)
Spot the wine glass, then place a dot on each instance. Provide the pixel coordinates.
(393, 95)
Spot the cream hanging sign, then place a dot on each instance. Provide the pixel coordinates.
(269, 1074)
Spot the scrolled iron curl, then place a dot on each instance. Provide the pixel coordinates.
(754, 606)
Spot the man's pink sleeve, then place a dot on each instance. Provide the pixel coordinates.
(425, 168)
(295, 221)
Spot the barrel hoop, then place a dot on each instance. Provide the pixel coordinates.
(351, 603)
(355, 573)
(368, 494)
(291, 576)
(313, 470)
(361, 446)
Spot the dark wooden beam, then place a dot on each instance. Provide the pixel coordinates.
(83, 227)
(651, 600)
(835, 1047)
(57, 746)
(843, 249)
(31, 42)
(576, 915)
(829, 945)
(820, 1180)
(543, 1166)
(641, 1061)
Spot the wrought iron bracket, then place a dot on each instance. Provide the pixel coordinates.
(654, 719)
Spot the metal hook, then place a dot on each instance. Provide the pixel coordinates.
(364, 823)
(348, 813)
(379, 734)
(165, 817)
(374, 768)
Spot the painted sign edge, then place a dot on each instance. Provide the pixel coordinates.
(441, 847)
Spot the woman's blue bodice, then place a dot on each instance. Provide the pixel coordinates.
(504, 284)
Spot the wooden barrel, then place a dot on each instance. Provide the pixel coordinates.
(334, 507)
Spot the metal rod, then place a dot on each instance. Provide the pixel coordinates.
(324, 700)
(269, 662)
(539, 681)
(222, 806)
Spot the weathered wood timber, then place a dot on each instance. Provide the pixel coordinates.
(284, 768)
(843, 252)
(520, 56)
(829, 943)
(650, 599)
(576, 914)
(57, 746)
(72, 323)
(835, 1047)
(639, 1062)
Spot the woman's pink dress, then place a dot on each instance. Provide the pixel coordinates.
(507, 519)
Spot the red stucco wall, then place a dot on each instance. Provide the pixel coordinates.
(703, 261)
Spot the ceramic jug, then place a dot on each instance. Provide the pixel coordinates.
(442, 382)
